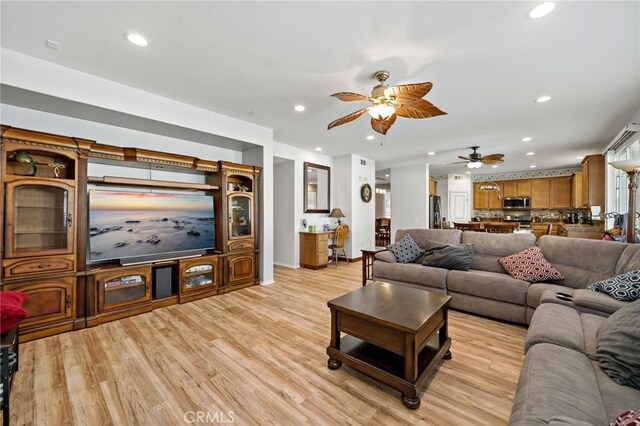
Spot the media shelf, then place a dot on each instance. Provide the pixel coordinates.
(46, 233)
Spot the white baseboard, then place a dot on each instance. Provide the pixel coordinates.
(267, 282)
(287, 265)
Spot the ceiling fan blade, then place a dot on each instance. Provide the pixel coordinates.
(418, 108)
(382, 125)
(347, 118)
(493, 158)
(417, 90)
(350, 97)
(458, 162)
(464, 158)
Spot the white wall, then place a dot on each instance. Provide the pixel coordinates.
(409, 197)
(284, 229)
(263, 156)
(363, 215)
(299, 157)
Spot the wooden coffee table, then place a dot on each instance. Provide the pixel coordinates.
(393, 333)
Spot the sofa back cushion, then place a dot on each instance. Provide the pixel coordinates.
(582, 261)
(421, 236)
(489, 247)
(630, 259)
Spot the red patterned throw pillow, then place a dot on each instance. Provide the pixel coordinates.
(530, 265)
(11, 312)
(628, 418)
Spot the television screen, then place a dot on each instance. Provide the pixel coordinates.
(125, 225)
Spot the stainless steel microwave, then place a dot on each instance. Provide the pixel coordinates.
(516, 203)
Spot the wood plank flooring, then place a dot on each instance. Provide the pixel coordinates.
(258, 353)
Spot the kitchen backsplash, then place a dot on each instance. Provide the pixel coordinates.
(545, 215)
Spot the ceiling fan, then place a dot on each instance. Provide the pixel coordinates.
(388, 103)
(475, 159)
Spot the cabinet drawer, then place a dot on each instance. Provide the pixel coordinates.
(13, 268)
(322, 248)
(322, 238)
(322, 258)
(241, 245)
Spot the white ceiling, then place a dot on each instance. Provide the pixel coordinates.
(486, 60)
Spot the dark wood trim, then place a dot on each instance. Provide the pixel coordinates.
(304, 198)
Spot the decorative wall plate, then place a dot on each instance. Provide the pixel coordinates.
(365, 192)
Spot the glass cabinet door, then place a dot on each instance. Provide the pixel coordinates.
(40, 220)
(240, 215)
(124, 289)
(198, 276)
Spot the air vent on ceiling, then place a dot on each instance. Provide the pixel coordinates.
(624, 137)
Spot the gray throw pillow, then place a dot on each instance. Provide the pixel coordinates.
(618, 345)
(448, 256)
(624, 287)
(406, 250)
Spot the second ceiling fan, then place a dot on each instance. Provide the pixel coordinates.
(389, 102)
(475, 159)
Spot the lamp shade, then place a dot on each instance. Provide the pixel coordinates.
(336, 213)
(626, 165)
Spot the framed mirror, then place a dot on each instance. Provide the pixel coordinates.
(317, 187)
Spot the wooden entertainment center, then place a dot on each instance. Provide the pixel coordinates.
(45, 232)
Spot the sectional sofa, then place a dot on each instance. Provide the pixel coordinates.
(560, 382)
(487, 289)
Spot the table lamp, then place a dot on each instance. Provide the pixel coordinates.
(337, 213)
(631, 167)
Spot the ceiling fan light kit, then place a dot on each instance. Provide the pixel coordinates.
(389, 103)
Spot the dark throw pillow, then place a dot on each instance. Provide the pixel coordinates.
(11, 312)
(448, 256)
(618, 345)
(406, 250)
(530, 265)
(624, 287)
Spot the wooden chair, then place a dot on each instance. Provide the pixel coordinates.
(471, 226)
(339, 236)
(549, 229)
(501, 228)
(383, 231)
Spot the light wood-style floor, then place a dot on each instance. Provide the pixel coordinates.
(260, 354)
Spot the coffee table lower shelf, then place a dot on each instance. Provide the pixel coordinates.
(388, 367)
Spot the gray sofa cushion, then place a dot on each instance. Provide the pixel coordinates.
(488, 248)
(629, 260)
(590, 301)
(581, 261)
(536, 290)
(386, 256)
(618, 346)
(448, 256)
(553, 381)
(488, 285)
(578, 330)
(412, 273)
(616, 398)
(421, 236)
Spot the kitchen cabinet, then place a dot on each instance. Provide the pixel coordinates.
(494, 198)
(593, 180)
(480, 198)
(433, 186)
(576, 190)
(540, 193)
(560, 192)
(523, 188)
(510, 188)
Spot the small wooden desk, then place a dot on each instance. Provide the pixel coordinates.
(368, 256)
(314, 249)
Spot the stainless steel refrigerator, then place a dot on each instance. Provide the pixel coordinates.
(435, 215)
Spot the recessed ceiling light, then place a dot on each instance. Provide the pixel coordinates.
(494, 166)
(527, 139)
(541, 10)
(386, 175)
(468, 172)
(370, 137)
(579, 157)
(299, 108)
(543, 99)
(136, 39)
(318, 149)
(431, 153)
(533, 166)
(530, 153)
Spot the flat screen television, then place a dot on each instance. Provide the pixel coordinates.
(139, 226)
